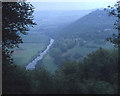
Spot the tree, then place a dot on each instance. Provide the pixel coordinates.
(115, 39)
(16, 20)
(95, 74)
(115, 11)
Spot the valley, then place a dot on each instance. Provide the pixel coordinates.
(72, 42)
(60, 47)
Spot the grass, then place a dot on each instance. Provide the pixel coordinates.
(84, 50)
(48, 62)
(29, 51)
(34, 43)
(81, 50)
(50, 65)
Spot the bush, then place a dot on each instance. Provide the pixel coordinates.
(95, 74)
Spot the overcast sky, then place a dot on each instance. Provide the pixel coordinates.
(73, 0)
(70, 4)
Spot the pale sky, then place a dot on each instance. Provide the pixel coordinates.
(71, 4)
(72, 0)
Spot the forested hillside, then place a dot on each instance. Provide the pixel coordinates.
(81, 37)
(95, 74)
(96, 24)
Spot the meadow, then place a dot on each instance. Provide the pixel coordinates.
(55, 55)
(34, 43)
(65, 47)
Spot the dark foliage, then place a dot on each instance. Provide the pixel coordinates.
(16, 20)
(96, 74)
(115, 11)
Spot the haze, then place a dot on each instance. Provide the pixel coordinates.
(88, 4)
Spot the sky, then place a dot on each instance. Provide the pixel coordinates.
(73, 0)
(71, 4)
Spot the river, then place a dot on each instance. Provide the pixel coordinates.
(32, 64)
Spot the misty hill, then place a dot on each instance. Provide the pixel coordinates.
(49, 20)
(96, 23)
(59, 16)
(82, 36)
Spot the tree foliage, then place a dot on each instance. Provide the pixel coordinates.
(96, 74)
(115, 11)
(16, 20)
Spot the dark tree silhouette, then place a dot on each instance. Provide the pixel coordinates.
(115, 11)
(115, 39)
(17, 18)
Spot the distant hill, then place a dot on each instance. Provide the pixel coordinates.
(81, 37)
(50, 20)
(58, 16)
(96, 23)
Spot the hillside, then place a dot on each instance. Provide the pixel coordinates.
(48, 22)
(81, 37)
(96, 23)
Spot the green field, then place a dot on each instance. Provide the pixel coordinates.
(82, 51)
(87, 48)
(48, 62)
(33, 44)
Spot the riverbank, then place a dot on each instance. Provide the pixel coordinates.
(32, 64)
(28, 51)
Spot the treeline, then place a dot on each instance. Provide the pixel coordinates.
(95, 74)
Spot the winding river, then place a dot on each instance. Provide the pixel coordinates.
(32, 64)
